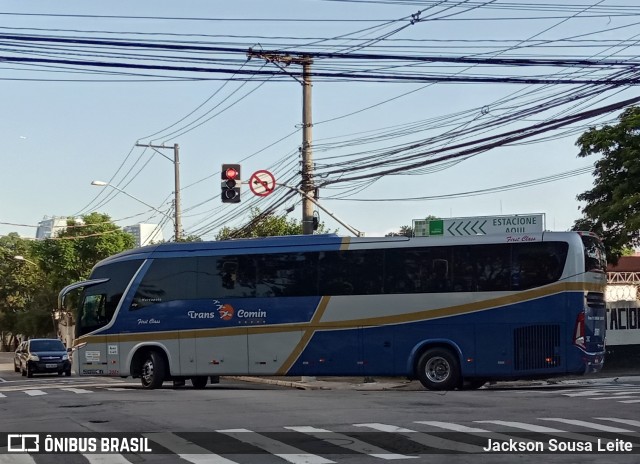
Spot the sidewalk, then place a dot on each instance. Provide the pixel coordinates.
(399, 383)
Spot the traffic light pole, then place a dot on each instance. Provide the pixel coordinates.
(177, 224)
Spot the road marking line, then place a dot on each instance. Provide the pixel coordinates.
(14, 458)
(106, 459)
(589, 425)
(629, 401)
(424, 438)
(76, 390)
(545, 430)
(614, 398)
(194, 453)
(351, 443)
(35, 392)
(277, 448)
(454, 427)
(622, 421)
(2, 396)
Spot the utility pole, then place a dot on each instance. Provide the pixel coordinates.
(308, 186)
(176, 172)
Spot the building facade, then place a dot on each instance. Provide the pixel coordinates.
(145, 234)
(50, 226)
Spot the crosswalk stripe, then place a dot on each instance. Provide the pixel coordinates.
(14, 458)
(275, 447)
(614, 398)
(35, 392)
(194, 453)
(76, 390)
(522, 425)
(485, 434)
(542, 429)
(424, 438)
(106, 459)
(635, 423)
(452, 426)
(2, 396)
(348, 442)
(589, 425)
(630, 401)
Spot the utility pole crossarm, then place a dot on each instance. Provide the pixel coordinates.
(308, 186)
(176, 172)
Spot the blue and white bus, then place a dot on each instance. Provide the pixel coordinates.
(450, 312)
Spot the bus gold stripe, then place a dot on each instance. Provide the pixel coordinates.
(316, 323)
(345, 243)
(306, 338)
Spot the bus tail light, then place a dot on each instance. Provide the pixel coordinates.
(578, 334)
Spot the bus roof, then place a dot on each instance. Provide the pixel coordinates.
(324, 242)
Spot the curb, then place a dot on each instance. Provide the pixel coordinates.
(281, 383)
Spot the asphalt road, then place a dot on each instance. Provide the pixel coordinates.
(352, 422)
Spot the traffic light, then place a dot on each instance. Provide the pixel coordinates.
(230, 183)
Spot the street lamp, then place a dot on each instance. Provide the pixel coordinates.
(100, 183)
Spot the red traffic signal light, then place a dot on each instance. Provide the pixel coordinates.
(230, 184)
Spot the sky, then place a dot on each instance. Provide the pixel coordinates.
(65, 126)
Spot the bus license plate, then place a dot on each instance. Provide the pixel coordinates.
(51, 366)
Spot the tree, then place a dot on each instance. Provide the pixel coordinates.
(71, 255)
(405, 231)
(25, 298)
(612, 208)
(265, 225)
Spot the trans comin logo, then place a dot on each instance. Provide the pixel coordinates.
(226, 312)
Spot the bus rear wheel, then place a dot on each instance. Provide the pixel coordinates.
(153, 370)
(199, 382)
(438, 369)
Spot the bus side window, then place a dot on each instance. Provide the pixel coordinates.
(439, 279)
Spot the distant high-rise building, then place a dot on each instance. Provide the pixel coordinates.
(145, 234)
(49, 226)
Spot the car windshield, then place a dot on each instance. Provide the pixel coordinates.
(47, 345)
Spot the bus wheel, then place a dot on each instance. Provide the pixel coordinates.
(199, 382)
(438, 369)
(153, 370)
(472, 383)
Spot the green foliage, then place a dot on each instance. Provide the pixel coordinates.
(29, 287)
(23, 289)
(71, 255)
(405, 231)
(266, 225)
(612, 207)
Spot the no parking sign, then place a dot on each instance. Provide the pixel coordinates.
(262, 183)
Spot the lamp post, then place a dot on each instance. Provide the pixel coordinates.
(100, 183)
(176, 175)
